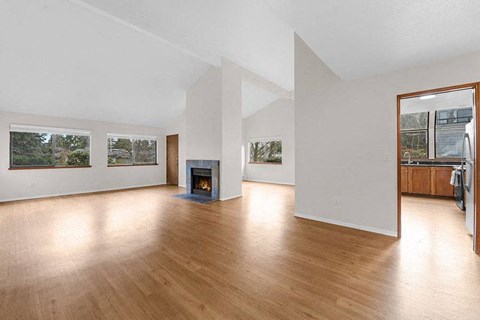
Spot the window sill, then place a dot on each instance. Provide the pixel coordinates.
(131, 165)
(267, 163)
(48, 167)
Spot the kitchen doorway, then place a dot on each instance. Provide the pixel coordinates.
(436, 152)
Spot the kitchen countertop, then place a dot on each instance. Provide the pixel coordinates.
(429, 165)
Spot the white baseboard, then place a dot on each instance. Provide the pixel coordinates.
(182, 186)
(230, 198)
(80, 192)
(272, 182)
(347, 224)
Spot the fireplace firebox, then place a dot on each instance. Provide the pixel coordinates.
(202, 181)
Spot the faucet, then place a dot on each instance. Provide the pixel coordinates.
(409, 157)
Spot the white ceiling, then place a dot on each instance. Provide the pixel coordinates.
(442, 101)
(255, 98)
(246, 32)
(59, 59)
(361, 38)
(130, 61)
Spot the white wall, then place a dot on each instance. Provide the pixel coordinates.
(214, 124)
(346, 171)
(275, 120)
(179, 126)
(204, 117)
(22, 184)
(231, 163)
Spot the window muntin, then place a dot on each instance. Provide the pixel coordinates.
(36, 147)
(449, 131)
(414, 135)
(134, 150)
(266, 151)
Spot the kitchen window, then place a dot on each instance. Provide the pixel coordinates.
(265, 151)
(33, 147)
(449, 131)
(414, 135)
(131, 150)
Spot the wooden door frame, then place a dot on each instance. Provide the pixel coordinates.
(476, 87)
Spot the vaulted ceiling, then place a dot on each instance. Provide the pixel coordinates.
(362, 38)
(131, 61)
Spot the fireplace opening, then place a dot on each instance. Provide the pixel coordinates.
(202, 181)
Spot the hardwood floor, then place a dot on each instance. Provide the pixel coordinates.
(143, 254)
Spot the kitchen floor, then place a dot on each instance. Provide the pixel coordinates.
(434, 223)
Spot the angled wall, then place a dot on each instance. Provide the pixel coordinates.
(345, 133)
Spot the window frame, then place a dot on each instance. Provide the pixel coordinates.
(426, 130)
(52, 131)
(269, 139)
(132, 137)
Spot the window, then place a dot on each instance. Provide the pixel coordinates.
(414, 135)
(131, 150)
(37, 147)
(266, 151)
(449, 130)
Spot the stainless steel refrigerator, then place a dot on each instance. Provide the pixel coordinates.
(468, 162)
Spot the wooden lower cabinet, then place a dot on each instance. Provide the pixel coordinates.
(433, 181)
(441, 181)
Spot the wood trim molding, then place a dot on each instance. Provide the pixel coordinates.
(475, 86)
(399, 173)
(131, 165)
(48, 167)
(476, 197)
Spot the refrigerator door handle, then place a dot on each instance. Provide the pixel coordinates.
(465, 161)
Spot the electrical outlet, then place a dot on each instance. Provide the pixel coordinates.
(386, 157)
(337, 202)
(31, 184)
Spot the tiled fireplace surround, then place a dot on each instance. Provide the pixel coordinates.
(214, 166)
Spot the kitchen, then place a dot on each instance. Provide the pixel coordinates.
(437, 137)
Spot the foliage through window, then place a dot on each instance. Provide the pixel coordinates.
(125, 151)
(414, 135)
(32, 147)
(449, 131)
(266, 151)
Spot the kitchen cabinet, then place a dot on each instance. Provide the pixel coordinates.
(441, 181)
(424, 180)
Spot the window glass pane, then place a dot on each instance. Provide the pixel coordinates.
(257, 151)
(273, 151)
(44, 149)
(449, 141)
(266, 151)
(414, 142)
(414, 121)
(31, 149)
(120, 151)
(71, 150)
(454, 116)
(145, 151)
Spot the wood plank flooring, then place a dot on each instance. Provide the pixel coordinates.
(143, 254)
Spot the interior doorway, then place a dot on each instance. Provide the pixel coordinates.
(172, 159)
(436, 152)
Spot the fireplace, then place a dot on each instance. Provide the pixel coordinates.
(202, 181)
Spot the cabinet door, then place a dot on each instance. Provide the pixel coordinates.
(404, 179)
(420, 180)
(441, 182)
